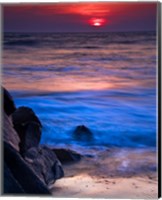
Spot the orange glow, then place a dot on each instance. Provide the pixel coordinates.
(86, 9)
(119, 14)
(97, 22)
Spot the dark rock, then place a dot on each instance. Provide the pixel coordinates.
(11, 185)
(45, 164)
(25, 176)
(9, 133)
(28, 127)
(30, 136)
(82, 133)
(24, 115)
(66, 155)
(8, 103)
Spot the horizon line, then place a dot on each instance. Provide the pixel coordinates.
(64, 32)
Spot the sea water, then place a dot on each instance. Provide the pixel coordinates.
(105, 81)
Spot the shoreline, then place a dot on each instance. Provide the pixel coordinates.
(103, 178)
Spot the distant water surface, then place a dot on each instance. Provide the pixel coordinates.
(106, 81)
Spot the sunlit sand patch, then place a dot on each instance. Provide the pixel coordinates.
(110, 175)
(84, 185)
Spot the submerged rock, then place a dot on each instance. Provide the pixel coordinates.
(67, 155)
(45, 164)
(28, 127)
(8, 103)
(22, 173)
(82, 133)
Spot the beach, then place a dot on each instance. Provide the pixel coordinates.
(84, 186)
(114, 174)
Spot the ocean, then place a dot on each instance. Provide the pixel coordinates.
(105, 81)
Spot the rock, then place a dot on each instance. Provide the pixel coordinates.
(9, 133)
(8, 103)
(82, 133)
(45, 164)
(22, 173)
(28, 127)
(24, 115)
(38, 167)
(67, 155)
(11, 185)
(30, 136)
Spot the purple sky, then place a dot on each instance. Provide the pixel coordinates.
(74, 17)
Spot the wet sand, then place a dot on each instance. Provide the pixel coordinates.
(111, 174)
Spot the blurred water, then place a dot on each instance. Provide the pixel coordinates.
(106, 81)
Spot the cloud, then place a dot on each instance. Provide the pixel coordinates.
(69, 16)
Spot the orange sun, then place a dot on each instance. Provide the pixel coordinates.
(97, 22)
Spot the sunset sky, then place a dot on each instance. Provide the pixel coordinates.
(80, 17)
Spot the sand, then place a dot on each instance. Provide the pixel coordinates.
(112, 174)
(84, 185)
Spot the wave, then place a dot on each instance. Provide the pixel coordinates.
(23, 42)
(113, 119)
(75, 40)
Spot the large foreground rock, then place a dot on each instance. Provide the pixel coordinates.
(24, 115)
(27, 169)
(9, 134)
(30, 135)
(45, 164)
(23, 175)
(8, 103)
(28, 127)
(11, 185)
(67, 155)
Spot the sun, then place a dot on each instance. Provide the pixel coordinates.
(97, 22)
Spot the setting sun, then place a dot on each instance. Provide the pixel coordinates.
(97, 22)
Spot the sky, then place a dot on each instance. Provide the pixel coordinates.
(80, 17)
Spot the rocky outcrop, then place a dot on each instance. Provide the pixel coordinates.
(30, 136)
(28, 127)
(11, 185)
(24, 115)
(28, 168)
(8, 103)
(67, 155)
(45, 164)
(82, 133)
(9, 134)
(22, 173)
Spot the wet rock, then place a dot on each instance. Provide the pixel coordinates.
(24, 115)
(9, 133)
(23, 174)
(8, 103)
(30, 135)
(82, 133)
(66, 155)
(11, 185)
(28, 127)
(45, 164)
(38, 167)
